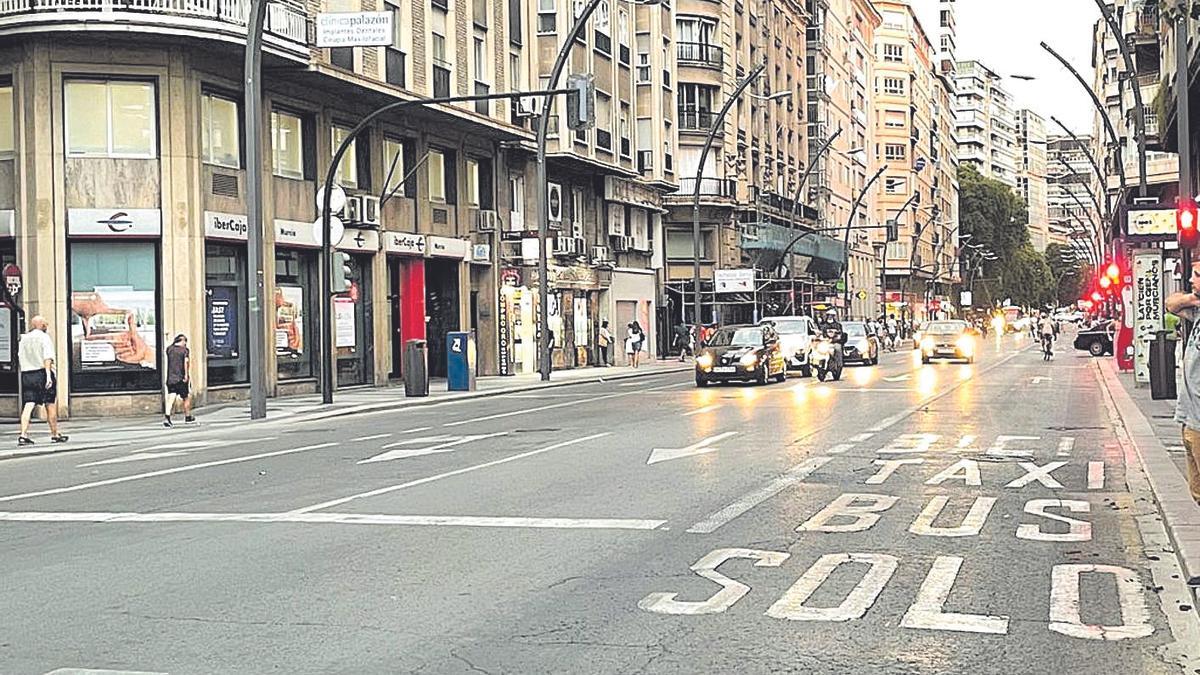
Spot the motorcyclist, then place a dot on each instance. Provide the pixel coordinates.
(831, 330)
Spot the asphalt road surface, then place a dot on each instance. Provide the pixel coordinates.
(947, 518)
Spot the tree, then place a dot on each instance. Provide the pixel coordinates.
(1069, 273)
(995, 217)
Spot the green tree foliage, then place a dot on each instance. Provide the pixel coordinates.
(1069, 273)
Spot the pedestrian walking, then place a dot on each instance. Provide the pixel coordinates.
(634, 338)
(39, 383)
(1187, 408)
(683, 340)
(604, 342)
(179, 378)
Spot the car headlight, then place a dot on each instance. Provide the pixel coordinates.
(749, 360)
(705, 361)
(927, 343)
(965, 344)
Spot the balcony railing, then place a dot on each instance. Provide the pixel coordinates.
(696, 120)
(709, 187)
(283, 21)
(701, 53)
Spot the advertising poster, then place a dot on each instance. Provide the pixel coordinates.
(114, 328)
(1147, 308)
(222, 322)
(6, 337)
(289, 320)
(343, 322)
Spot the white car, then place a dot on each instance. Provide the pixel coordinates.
(795, 339)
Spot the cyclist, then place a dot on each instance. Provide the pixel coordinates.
(1046, 328)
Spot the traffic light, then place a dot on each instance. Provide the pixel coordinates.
(340, 272)
(1185, 223)
(581, 101)
(1113, 273)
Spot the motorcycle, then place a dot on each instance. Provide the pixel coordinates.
(826, 359)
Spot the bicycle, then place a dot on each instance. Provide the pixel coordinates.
(1047, 347)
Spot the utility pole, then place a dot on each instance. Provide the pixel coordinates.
(1183, 129)
(252, 103)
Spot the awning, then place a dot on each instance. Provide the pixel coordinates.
(813, 253)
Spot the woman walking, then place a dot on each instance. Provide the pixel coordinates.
(634, 339)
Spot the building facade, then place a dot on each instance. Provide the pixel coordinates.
(986, 122)
(1031, 175)
(1072, 215)
(123, 188)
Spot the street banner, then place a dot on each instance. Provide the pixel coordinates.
(354, 29)
(734, 281)
(1147, 308)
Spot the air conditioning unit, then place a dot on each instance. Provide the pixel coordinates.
(354, 210)
(564, 246)
(370, 210)
(579, 245)
(621, 243)
(527, 106)
(601, 254)
(486, 221)
(554, 205)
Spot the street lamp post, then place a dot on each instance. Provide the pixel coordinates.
(252, 95)
(849, 225)
(708, 141)
(1107, 213)
(1131, 73)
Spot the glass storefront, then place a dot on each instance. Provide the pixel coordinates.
(226, 314)
(114, 316)
(296, 313)
(352, 322)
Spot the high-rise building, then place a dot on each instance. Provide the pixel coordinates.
(1072, 216)
(913, 141)
(986, 123)
(1031, 175)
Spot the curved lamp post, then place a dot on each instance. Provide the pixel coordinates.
(1090, 194)
(1107, 214)
(812, 163)
(708, 141)
(1140, 119)
(850, 225)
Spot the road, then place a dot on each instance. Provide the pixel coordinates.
(947, 518)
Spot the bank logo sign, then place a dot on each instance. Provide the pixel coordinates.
(114, 222)
(231, 226)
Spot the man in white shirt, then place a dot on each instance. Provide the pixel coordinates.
(39, 384)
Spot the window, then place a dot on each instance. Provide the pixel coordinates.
(472, 183)
(895, 186)
(643, 60)
(219, 137)
(441, 64)
(295, 308)
(894, 119)
(516, 34)
(626, 141)
(603, 121)
(225, 289)
(110, 119)
(437, 176)
(638, 228)
(603, 29)
(342, 57)
(895, 151)
(576, 212)
(547, 17)
(623, 35)
(347, 170)
(893, 53)
(680, 245)
(393, 157)
(395, 64)
(893, 85)
(516, 200)
(7, 119)
(480, 15)
(118, 275)
(287, 147)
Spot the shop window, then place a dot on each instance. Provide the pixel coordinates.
(7, 120)
(226, 320)
(110, 118)
(114, 316)
(220, 138)
(287, 145)
(679, 245)
(295, 313)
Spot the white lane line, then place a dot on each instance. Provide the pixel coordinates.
(840, 448)
(165, 472)
(334, 518)
(701, 411)
(1095, 476)
(447, 474)
(705, 446)
(752, 499)
(526, 411)
(671, 386)
(859, 438)
(373, 437)
(638, 383)
(170, 450)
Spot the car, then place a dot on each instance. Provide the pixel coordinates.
(948, 339)
(795, 337)
(1067, 317)
(1096, 339)
(748, 353)
(862, 344)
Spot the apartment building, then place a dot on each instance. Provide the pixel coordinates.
(1169, 70)
(841, 68)
(1031, 175)
(123, 189)
(748, 181)
(986, 122)
(1072, 216)
(913, 139)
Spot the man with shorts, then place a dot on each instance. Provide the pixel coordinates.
(179, 366)
(39, 385)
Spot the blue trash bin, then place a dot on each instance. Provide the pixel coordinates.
(460, 361)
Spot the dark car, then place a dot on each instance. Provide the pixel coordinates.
(947, 339)
(750, 353)
(1097, 339)
(862, 344)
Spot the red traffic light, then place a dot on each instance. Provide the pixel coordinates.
(1105, 283)
(1185, 222)
(1113, 272)
(1096, 297)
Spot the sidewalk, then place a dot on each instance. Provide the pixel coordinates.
(87, 434)
(1156, 438)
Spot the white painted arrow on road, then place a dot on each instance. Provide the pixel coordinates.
(1039, 380)
(898, 378)
(441, 444)
(663, 454)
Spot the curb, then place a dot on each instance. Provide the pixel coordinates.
(1181, 515)
(396, 404)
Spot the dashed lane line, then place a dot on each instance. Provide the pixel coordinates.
(333, 518)
(794, 475)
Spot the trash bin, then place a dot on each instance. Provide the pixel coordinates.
(416, 369)
(1162, 366)
(460, 361)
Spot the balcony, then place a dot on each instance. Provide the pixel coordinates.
(700, 54)
(286, 26)
(696, 120)
(709, 187)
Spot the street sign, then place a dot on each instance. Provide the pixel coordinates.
(336, 231)
(337, 200)
(965, 298)
(12, 280)
(861, 294)
(734, 281)
(919, 165)
(354, 29)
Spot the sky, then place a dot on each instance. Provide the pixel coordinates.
(1004, 35)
